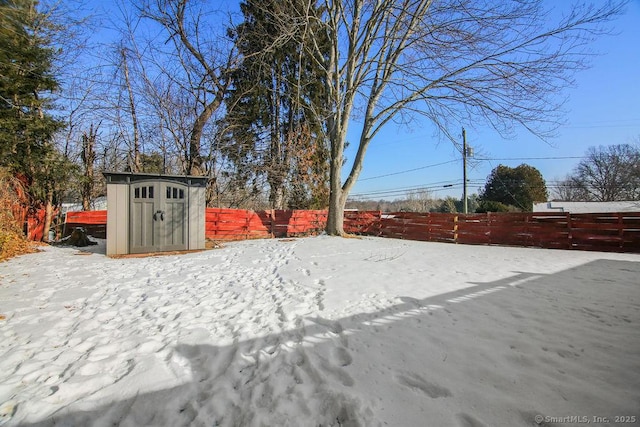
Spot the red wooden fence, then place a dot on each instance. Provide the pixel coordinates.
(604, 232)
(594, 231)
(95, 222)
(234, 224)
(15, 200)
(34, 223)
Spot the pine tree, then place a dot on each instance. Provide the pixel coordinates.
(26, 83)
(274, 92)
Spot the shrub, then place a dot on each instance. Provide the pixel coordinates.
(12, 240)
(493, 206)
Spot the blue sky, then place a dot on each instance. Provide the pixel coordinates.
(603, 109)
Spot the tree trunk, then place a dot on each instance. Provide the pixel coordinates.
(88, 159)
(135, 162)
(335, 217)
(276, 194)
(195, 161)
(79, 238)
(339, 191)
(48, 217)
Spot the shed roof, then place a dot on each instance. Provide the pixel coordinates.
(129, 177)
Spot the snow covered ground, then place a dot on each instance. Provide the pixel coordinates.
(321, 331)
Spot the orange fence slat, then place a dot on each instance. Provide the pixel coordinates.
(87, 217)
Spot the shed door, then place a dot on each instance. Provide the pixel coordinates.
(158, 217)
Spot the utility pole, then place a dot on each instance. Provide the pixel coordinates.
(466, 152)
(464, 171)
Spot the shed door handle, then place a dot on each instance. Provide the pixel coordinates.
(161, 215)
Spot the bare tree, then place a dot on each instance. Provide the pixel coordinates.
(88, 161)
(609, 174)
(451, 61)
(420, 201)
(205, 62)
(148, 107)
(134, 160)
(160, 102)
(569, 190)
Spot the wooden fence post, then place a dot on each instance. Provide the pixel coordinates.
(247, 221)
(455, 229)
(272, 222)
(621, 229)
(569, 234)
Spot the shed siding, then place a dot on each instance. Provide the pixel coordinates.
(196, 217)
(118, 219)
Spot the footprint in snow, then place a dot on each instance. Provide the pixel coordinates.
(337, 372)
(341, 356)
(466, 420)
(334, 327)
(416, 382)
(319, 300)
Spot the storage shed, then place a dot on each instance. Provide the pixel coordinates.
(154, 213)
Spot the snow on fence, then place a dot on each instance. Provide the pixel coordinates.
(618, 232)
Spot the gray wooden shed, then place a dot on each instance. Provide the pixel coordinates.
(154, 213)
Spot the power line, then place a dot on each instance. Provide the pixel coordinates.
(531, 158)
(435, 183)
(407, 171)
(475, 158)
(434, 186)
(400, 193)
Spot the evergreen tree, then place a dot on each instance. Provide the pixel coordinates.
(519, 187)
(275, 91)
(26, 83)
